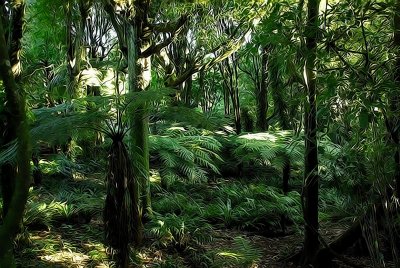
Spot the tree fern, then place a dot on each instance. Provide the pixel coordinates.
(272, 150)
(185, 153)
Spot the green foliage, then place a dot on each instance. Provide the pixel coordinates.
(240, 254)
(272, 148)
(65, 166)
(179, 231)
(184, 116)
(253, 206)
(187, 154)
(335, 205)
(177, 203)
(63, 202)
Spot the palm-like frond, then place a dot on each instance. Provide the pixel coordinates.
(267, 149)
(185, 153)
(179, 231)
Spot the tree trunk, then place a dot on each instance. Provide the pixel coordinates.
(8, 170)
(349, 237)
(205, 94)
(140, 119)
(285, 188)
(17, 24)
(75, 46)
(286, 176)
(227, 101)
(229, 72)
(188, 91)
(262, 96)
(395, 100)
(17, 123)
(275, 82)
(137, 124)
(310, 188)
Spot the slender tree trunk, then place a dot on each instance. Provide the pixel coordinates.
(395, 99)
(285, 188)
(75, 48)
(134, 37)
(229, 72)
(37, 173)
(225, 87)
(120, 212)
(15, 46)
(17, 123)
(262, 96)
(140, 119)
(236, 110)
(227, 101)
(137, 129)
(204, 91)
(188, 91)
(275, 82)
(8, 170)
(310, 188)
(235, 92)
(286, 176)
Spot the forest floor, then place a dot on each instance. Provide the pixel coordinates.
(79, 246)
(76, 244)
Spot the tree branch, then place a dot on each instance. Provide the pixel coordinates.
(177, 29)
(109, 8)
(230, 48)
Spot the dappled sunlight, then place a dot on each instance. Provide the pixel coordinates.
(67, 257)
(64, 246)
(267, 136)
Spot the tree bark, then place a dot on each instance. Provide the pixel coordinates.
(349, 237)
(310, 188)
(140, 119)
(8, 170)
(275, 83)
(137, 124)
(229, 72)
(262, 96)
(17, 124)
(286, 176)
(227, 101)
(75, 46)
(395, 100)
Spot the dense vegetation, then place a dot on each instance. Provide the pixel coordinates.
(247, 133)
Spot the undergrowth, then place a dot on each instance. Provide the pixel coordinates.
(190, 200)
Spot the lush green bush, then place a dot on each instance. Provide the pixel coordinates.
(253, 206)
(185, 154)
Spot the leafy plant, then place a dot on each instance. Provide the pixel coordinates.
(178, 204)
(185, 153)
(256, 207)
(179, 232)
